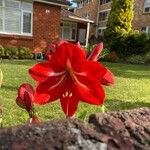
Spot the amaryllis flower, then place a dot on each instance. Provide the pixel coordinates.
(25, 101)
(25, 96)
(70, 77)
(108, 78)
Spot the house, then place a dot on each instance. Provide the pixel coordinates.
(74, 28)
(30, 23)
(142, 15)
(98, 11)
(88, 9)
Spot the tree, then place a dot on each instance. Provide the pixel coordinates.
(120, 19)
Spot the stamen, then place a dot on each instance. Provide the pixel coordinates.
(70, 95)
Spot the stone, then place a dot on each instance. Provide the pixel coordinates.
(67, 134)
(132, 125)
(125, 130)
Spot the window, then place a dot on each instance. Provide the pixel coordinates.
(80, 4)
(104, 1)
(16, 17)
(87, 15)
(147, 6)
(146, 29)
(101, 31)
(103, 15)
(87, 1)
(68, 31)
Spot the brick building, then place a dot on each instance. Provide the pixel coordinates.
(32, 24)
(74, 28)
(101, 9)
(142, 15)
(88, 9)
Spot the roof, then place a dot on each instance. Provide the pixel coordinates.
(68, 15)
(56, 2)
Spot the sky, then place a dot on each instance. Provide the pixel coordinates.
(74, 4)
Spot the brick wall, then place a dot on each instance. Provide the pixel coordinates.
(101, 8)
(46, 28)
(141, 19)
(91, 8)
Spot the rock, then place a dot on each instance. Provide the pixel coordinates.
(126, 130)
(132, 125)
(68, 134)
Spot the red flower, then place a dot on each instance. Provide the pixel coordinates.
(25, 96)
(108, 78)
(68, 75)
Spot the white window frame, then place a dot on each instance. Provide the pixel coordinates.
(22, 33)
(147, 29)
(147, 5)
(104, 2)
(102, 11)
(80, 4)
(21, 21)
(62, 28)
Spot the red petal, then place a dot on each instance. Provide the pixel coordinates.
(28, 99)
(25, 87)
(65, 52)
(108, 78)
(54, 87)
(41, 71)
(41, 98)
(96, 52)
(89, 91)
(20, 102)
(92, 70)
(69, 104)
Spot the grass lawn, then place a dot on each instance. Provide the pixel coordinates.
(131, 90)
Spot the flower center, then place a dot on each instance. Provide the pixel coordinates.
(70, 71)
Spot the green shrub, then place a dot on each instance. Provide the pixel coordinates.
(120, 19)
(11, 52)
(139, 59)
(2, 51)
(147, 61)
(135, 43)
(25, 53)
(136, 59)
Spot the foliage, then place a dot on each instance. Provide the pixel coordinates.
(135, 43)
(2, 51)
(139, 59)
(1, 77)
(25, 53)
(12, 52)
(104, 52)
(1, 109)
(120, 19)
(111, 57)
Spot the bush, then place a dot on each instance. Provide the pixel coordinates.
(111, 57)
(135, 43)
(2, 51)
(139, 59)
(25, 53)
(12, 52)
